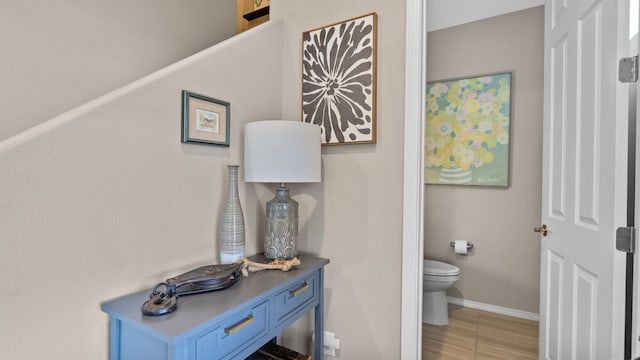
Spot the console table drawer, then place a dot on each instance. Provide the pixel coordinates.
(296, 296)
(234, 333)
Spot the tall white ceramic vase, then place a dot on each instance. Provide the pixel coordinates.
(231, 242)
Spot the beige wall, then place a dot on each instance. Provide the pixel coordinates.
(106, 200)
(503, 268)
(446, 13)
(59, 54)
(357, 209)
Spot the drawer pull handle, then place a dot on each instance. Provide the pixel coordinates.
(246, 321)
(297, 291)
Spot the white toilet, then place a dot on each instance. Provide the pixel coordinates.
(437, 278)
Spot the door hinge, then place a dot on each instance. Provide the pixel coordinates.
(628, 69)
(626, 239)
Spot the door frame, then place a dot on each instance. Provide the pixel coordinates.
(413, 183)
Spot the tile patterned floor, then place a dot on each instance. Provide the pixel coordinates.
(480, 335)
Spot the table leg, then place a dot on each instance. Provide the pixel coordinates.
(318, 348)
(114, 339)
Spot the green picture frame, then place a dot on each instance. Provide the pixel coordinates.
(467, 137)
(205, 120)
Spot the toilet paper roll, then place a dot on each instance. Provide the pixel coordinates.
(460, 247)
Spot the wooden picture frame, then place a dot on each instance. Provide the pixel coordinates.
(205, 120)
(339, 80)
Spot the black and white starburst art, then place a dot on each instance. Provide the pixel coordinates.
(339, 80)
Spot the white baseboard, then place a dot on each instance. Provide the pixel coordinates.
(493, 308)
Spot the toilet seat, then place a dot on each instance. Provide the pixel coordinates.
(437, 268)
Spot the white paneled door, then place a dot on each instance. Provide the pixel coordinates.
(584, 180)
(634, 112)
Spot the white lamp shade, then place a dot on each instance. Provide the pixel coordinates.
(281, 151)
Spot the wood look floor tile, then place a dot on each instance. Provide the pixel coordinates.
(480, 335)
(462, 338)
(513, 334)
(461, 330)
(437, 350)
(521, 326)
(490, 351)
(461, 325)
(460, 312)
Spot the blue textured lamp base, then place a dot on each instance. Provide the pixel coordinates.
(281, 230)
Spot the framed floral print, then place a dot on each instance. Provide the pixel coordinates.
(339, 80)
(467, 131)
(204, 120)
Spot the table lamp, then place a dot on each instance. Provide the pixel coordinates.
(281, 151)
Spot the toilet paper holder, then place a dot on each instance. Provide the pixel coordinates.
(453, 244)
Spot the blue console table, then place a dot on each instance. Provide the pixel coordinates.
(225, 324)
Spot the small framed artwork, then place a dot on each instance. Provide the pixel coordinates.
(339, 80)
(204, 120)
(467, 131)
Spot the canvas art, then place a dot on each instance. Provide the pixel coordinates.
(467, 131)
(339, 80)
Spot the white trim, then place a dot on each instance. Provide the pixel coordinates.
(413, 185)
(494, 308)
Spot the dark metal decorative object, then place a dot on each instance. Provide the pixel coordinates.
(163, 299)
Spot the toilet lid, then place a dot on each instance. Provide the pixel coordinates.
(432, 267)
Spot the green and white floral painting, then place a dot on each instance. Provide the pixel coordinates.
(467, 131)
